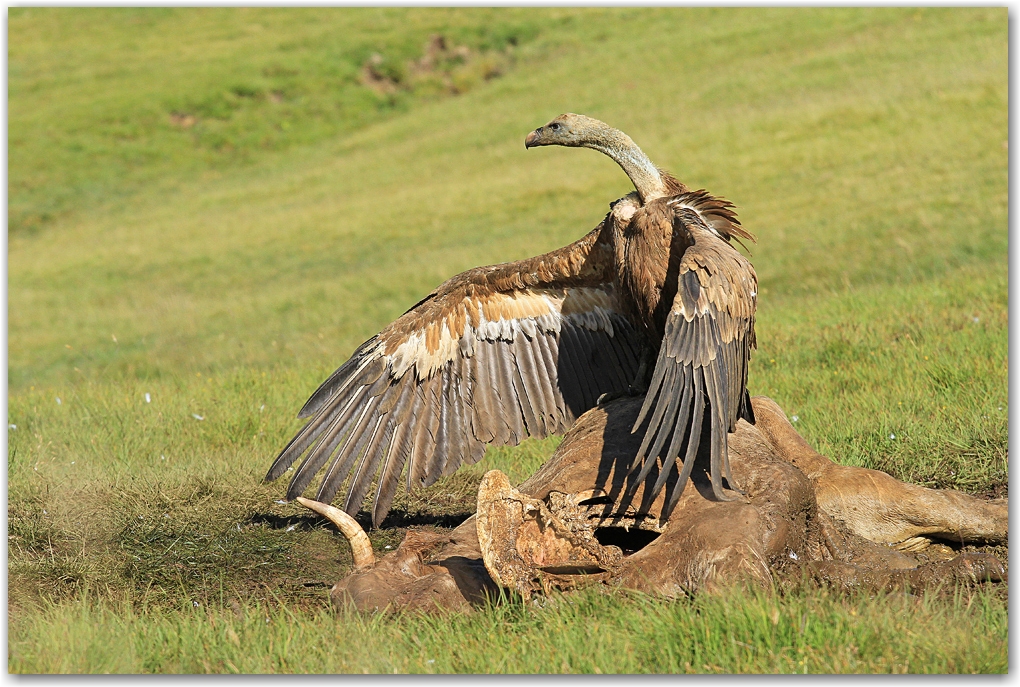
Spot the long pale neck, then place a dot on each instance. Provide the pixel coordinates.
(619, 146)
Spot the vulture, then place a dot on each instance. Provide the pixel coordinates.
(654, 300)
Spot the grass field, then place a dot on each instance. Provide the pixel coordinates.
(208, 209)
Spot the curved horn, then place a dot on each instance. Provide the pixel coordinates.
(361, 547)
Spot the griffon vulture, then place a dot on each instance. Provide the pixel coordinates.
(500, 353)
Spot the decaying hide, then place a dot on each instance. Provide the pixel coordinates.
(572, 524)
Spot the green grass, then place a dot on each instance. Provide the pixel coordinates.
(208, 90)
(585, 633)
(225, 267)
(911, 380)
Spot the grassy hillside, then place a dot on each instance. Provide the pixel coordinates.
(210, 208)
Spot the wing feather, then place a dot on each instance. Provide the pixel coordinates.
(539, 381)
(492, 356)
(362, 477)
(397, 452)
(459, 428)
(329, 389)
(560, 415)
(390, 411)
(437, 461)
(618, 364)
(693, 443)
(455, 398)
(484, 403)
(344, 427)
(511, 403)
(702, 362)
(425, 437)
(525, 401)
(363, 375)
(577, 367)
(505, 424)
(344, 461)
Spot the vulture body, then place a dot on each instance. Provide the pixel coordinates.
(503, 352)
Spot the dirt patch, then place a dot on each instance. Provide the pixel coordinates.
(443, 67)
(183, 120)
(997, 491)
(202, 541)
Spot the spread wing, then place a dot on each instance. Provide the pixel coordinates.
(492, 356)
(700, 374)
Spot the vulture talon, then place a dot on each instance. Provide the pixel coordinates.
(656, 294)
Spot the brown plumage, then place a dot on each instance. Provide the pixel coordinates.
(499, 353)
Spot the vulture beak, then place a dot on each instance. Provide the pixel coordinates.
(532, 140)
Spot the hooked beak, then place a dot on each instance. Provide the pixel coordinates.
(532, 140)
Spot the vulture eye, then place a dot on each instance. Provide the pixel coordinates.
(555, 126)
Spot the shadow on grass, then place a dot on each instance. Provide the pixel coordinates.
(397, 519)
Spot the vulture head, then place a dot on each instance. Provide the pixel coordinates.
(579, 131)
(571, 130)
